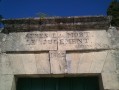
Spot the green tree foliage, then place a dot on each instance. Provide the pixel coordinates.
(1, 17)
(113, 10)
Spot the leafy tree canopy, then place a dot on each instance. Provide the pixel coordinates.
(113, 10)
(1, 17)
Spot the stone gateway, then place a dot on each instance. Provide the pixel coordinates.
(58, 53)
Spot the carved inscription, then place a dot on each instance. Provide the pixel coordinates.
(77, 34)
(45, 38)
(67, 39)
(41, 38)
(75, 40)
(56, 54)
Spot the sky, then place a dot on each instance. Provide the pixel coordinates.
(30, 8)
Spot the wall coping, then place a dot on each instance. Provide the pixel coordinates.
(56, 23)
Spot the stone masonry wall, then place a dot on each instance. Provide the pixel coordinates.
(60, 53)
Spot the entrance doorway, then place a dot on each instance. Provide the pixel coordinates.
(65, 83)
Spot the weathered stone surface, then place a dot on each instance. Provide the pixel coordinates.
(14, 84)
(98, 62)
(60, 40)
(73, 60)
(113, 35)
(2, 40)
(6, 82)
(5, 64)
(43, 63)
(31, 41)
(115, 54)
(29, 63)
(53, 23)
(17, 63)
(110, 81)
(23, 63)
(83, 40)
(58, 62)
(110, 63)
(0, 65)
(85, 63)
(91, 62)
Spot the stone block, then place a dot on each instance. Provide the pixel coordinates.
(30, 41)
(113, 35)
(98, 61)
(73, 60)
(2, 40)
(23, 63)
(90, 62)
(85, 62)
(42, 63)
(83, 40)
(14, 84)
(6, 82)
(58, 62)
(110, 81)
(115, 54)
(17, 65)
(5, 64)
(110, 65)
(29, 63)
(61, 40)
(79, 62)
(112, 62)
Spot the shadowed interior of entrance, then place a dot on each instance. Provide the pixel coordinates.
(65, 83)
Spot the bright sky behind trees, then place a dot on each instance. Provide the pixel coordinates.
(30, 8)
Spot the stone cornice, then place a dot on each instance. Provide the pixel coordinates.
(56, 23)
